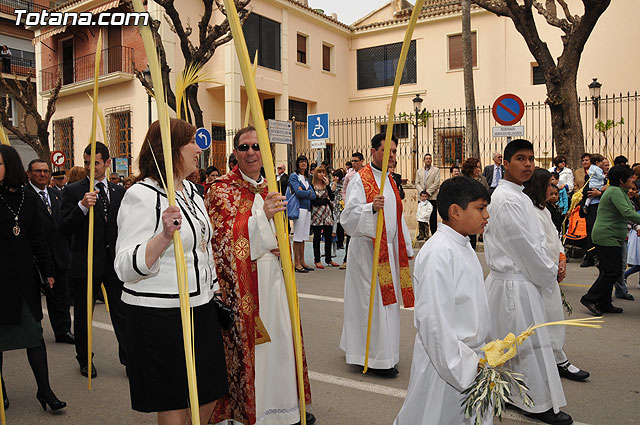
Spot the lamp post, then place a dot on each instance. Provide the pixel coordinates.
(417, 104)
(147, 76)
(594, 92)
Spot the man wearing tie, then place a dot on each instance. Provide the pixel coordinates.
(493, 173)
(76, 201)
(49, 210)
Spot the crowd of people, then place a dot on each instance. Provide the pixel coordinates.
(246, 366)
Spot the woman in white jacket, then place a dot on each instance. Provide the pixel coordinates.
(145, 262)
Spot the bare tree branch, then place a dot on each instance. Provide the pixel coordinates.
(552, 18)
(565, 8)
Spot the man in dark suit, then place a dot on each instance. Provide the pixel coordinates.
(282, 178)
(49, 213)
(493, 173)
(76, 201)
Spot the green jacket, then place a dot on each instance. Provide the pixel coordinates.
(614, 211)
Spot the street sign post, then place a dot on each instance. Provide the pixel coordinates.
(203, 138)
(508, 109)
(318, 132)
(280, 132)
(57, 158)
(508, 131)
(318, 126)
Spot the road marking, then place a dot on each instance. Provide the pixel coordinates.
(358, 385)
(333, 299)
(576, 284)
(346, 382)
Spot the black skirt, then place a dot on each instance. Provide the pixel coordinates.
(156, 362)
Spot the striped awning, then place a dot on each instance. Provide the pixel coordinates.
(47, 34)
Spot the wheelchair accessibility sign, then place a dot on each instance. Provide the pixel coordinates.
(318, 130)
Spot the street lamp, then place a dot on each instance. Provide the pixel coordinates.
(417, 104)
(594, 92)
(146, 73)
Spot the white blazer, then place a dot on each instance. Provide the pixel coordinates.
(139, 220)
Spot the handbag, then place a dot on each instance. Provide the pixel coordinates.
(225, 314)
(293, 204)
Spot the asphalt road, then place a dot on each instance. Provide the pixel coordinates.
(341, 393)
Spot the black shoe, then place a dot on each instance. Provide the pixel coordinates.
(580, 375)
(52, 401)
(310, 419)
(610, 309)
(67, 338)
(591, 307)
(549, 417)
(392, 372)
(626, 296)
(309, 269)
(84, 371)
(588, 263)
(303, 270)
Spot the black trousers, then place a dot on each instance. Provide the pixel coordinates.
(346, 248)
(610, 268)
(473, 240)
(58, 304)
(592, 213)
(113, 286)
(318, 231)
(340, 236)
(433, 220)
(423, 229)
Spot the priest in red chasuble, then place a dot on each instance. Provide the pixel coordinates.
(359, 220)
(259, 347)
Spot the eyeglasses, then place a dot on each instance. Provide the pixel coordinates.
(40, 171)
(245, 147)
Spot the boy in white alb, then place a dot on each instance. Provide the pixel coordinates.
(451, 311)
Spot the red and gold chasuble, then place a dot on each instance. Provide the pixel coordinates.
(385, 277)
(229, 201)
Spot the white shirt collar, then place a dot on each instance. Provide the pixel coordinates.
(453, 234)
(38, 190)
(250, 180)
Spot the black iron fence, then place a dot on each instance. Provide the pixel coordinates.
(113, 59)
(443, 134)
(21, 67)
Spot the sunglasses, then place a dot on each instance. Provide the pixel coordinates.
(245, 147)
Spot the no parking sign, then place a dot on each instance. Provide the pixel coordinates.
(508, 109)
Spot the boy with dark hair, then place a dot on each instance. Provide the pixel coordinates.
(451, 312)
(521, 272)
(423, 212)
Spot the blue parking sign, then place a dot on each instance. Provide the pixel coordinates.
(318, 126)
(203, 138)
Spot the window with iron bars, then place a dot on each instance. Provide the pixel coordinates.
(377, 65)
(119, 138)
(263, 34)
(450, 146)
(400, 130)
(63, 140)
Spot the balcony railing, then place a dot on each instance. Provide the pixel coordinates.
(8, 6)
(21, 67)
(113, 59)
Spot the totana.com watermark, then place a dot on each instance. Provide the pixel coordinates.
(46, 18)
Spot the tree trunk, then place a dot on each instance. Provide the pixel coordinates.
(566, 122)
(194, 106)
(471, 125)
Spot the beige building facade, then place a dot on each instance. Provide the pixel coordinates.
(310, 62)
